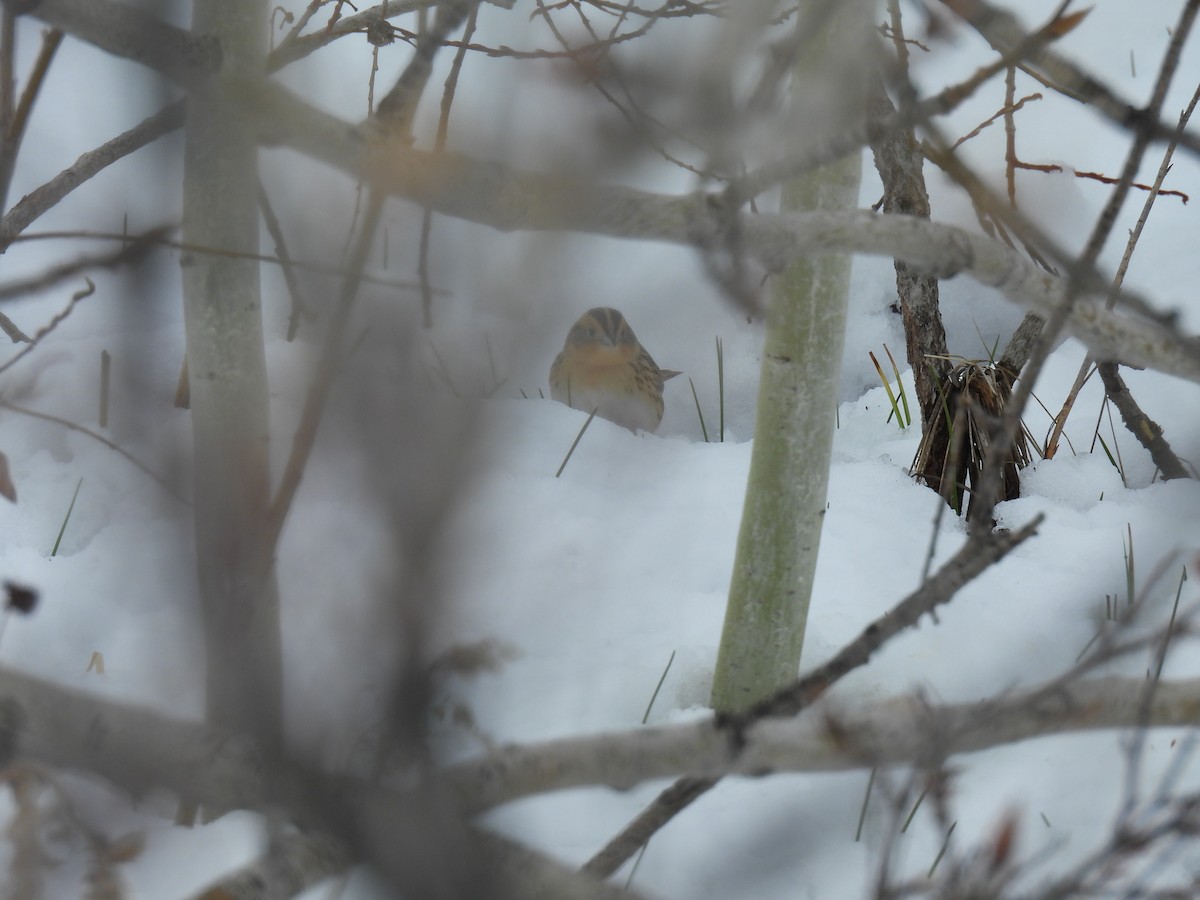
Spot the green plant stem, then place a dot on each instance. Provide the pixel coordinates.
(66, 519)
(785, 501)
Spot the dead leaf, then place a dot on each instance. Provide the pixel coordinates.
(20, 598)
(1065, 24)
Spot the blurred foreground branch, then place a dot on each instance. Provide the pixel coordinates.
(507, 199)
(139, 749)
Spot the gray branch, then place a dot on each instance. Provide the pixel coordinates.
(124, 31)
(508, 199)
(46, 196)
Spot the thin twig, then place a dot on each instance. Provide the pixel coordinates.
(132, 254)
(1010, 135)
(51, 325)
(439, 144)
(45, 197)
(1148, 432)
(1145, 430)
(1142, 136)
(14, 134)
(67, 423)
(8, 142)
(293, 48)
(275, 230)
(162, 240)
(1000, 113)
(1000, 29)
(1106, 179)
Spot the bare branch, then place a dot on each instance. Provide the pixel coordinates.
(491, 194)
(125, 31)
(293, 48)
(288, 270)
(14, 128)
(1148, 432)
(1141, 138)
(45, 197)
(832, 737)
(131, 254)
(1001, 29)
(51, 325)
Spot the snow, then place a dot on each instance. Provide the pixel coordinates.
(589, 582)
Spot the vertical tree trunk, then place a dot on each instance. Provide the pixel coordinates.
(793, 436)
(901, 169)
(227, 375)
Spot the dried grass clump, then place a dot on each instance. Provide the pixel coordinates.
(973, 397)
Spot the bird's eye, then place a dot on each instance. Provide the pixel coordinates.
(591, 332)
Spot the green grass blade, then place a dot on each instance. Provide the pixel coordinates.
(888, 387)
(942, 852)
(1162, 657)
(862, 814)
(900, 386)
(913, 811)
(575, 443)
(721, 385)
(658, 687)
(1104, 447)
(637, 862)
(66, 519)
(703, 430)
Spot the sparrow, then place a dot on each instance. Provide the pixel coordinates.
(603, 367)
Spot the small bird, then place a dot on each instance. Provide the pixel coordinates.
(602, 367)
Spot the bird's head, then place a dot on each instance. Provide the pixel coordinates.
(603, 330)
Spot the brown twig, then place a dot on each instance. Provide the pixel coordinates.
(1148, 432)
(1000, 29)
(900, 165)
(15, 334)
(987, 123)
(127, 255)
(301, 21)
(1141, 139)
(588, 59)
(14, 132)
(870, 131)
(275, 230)
(67, 423)
(8, 143)
(1052, 327)
(1119, 277)
(1010, 134)
(1105, 179)
(439, 144)
(295, 47)
(51, 325)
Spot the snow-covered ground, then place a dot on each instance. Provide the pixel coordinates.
(591, 581)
